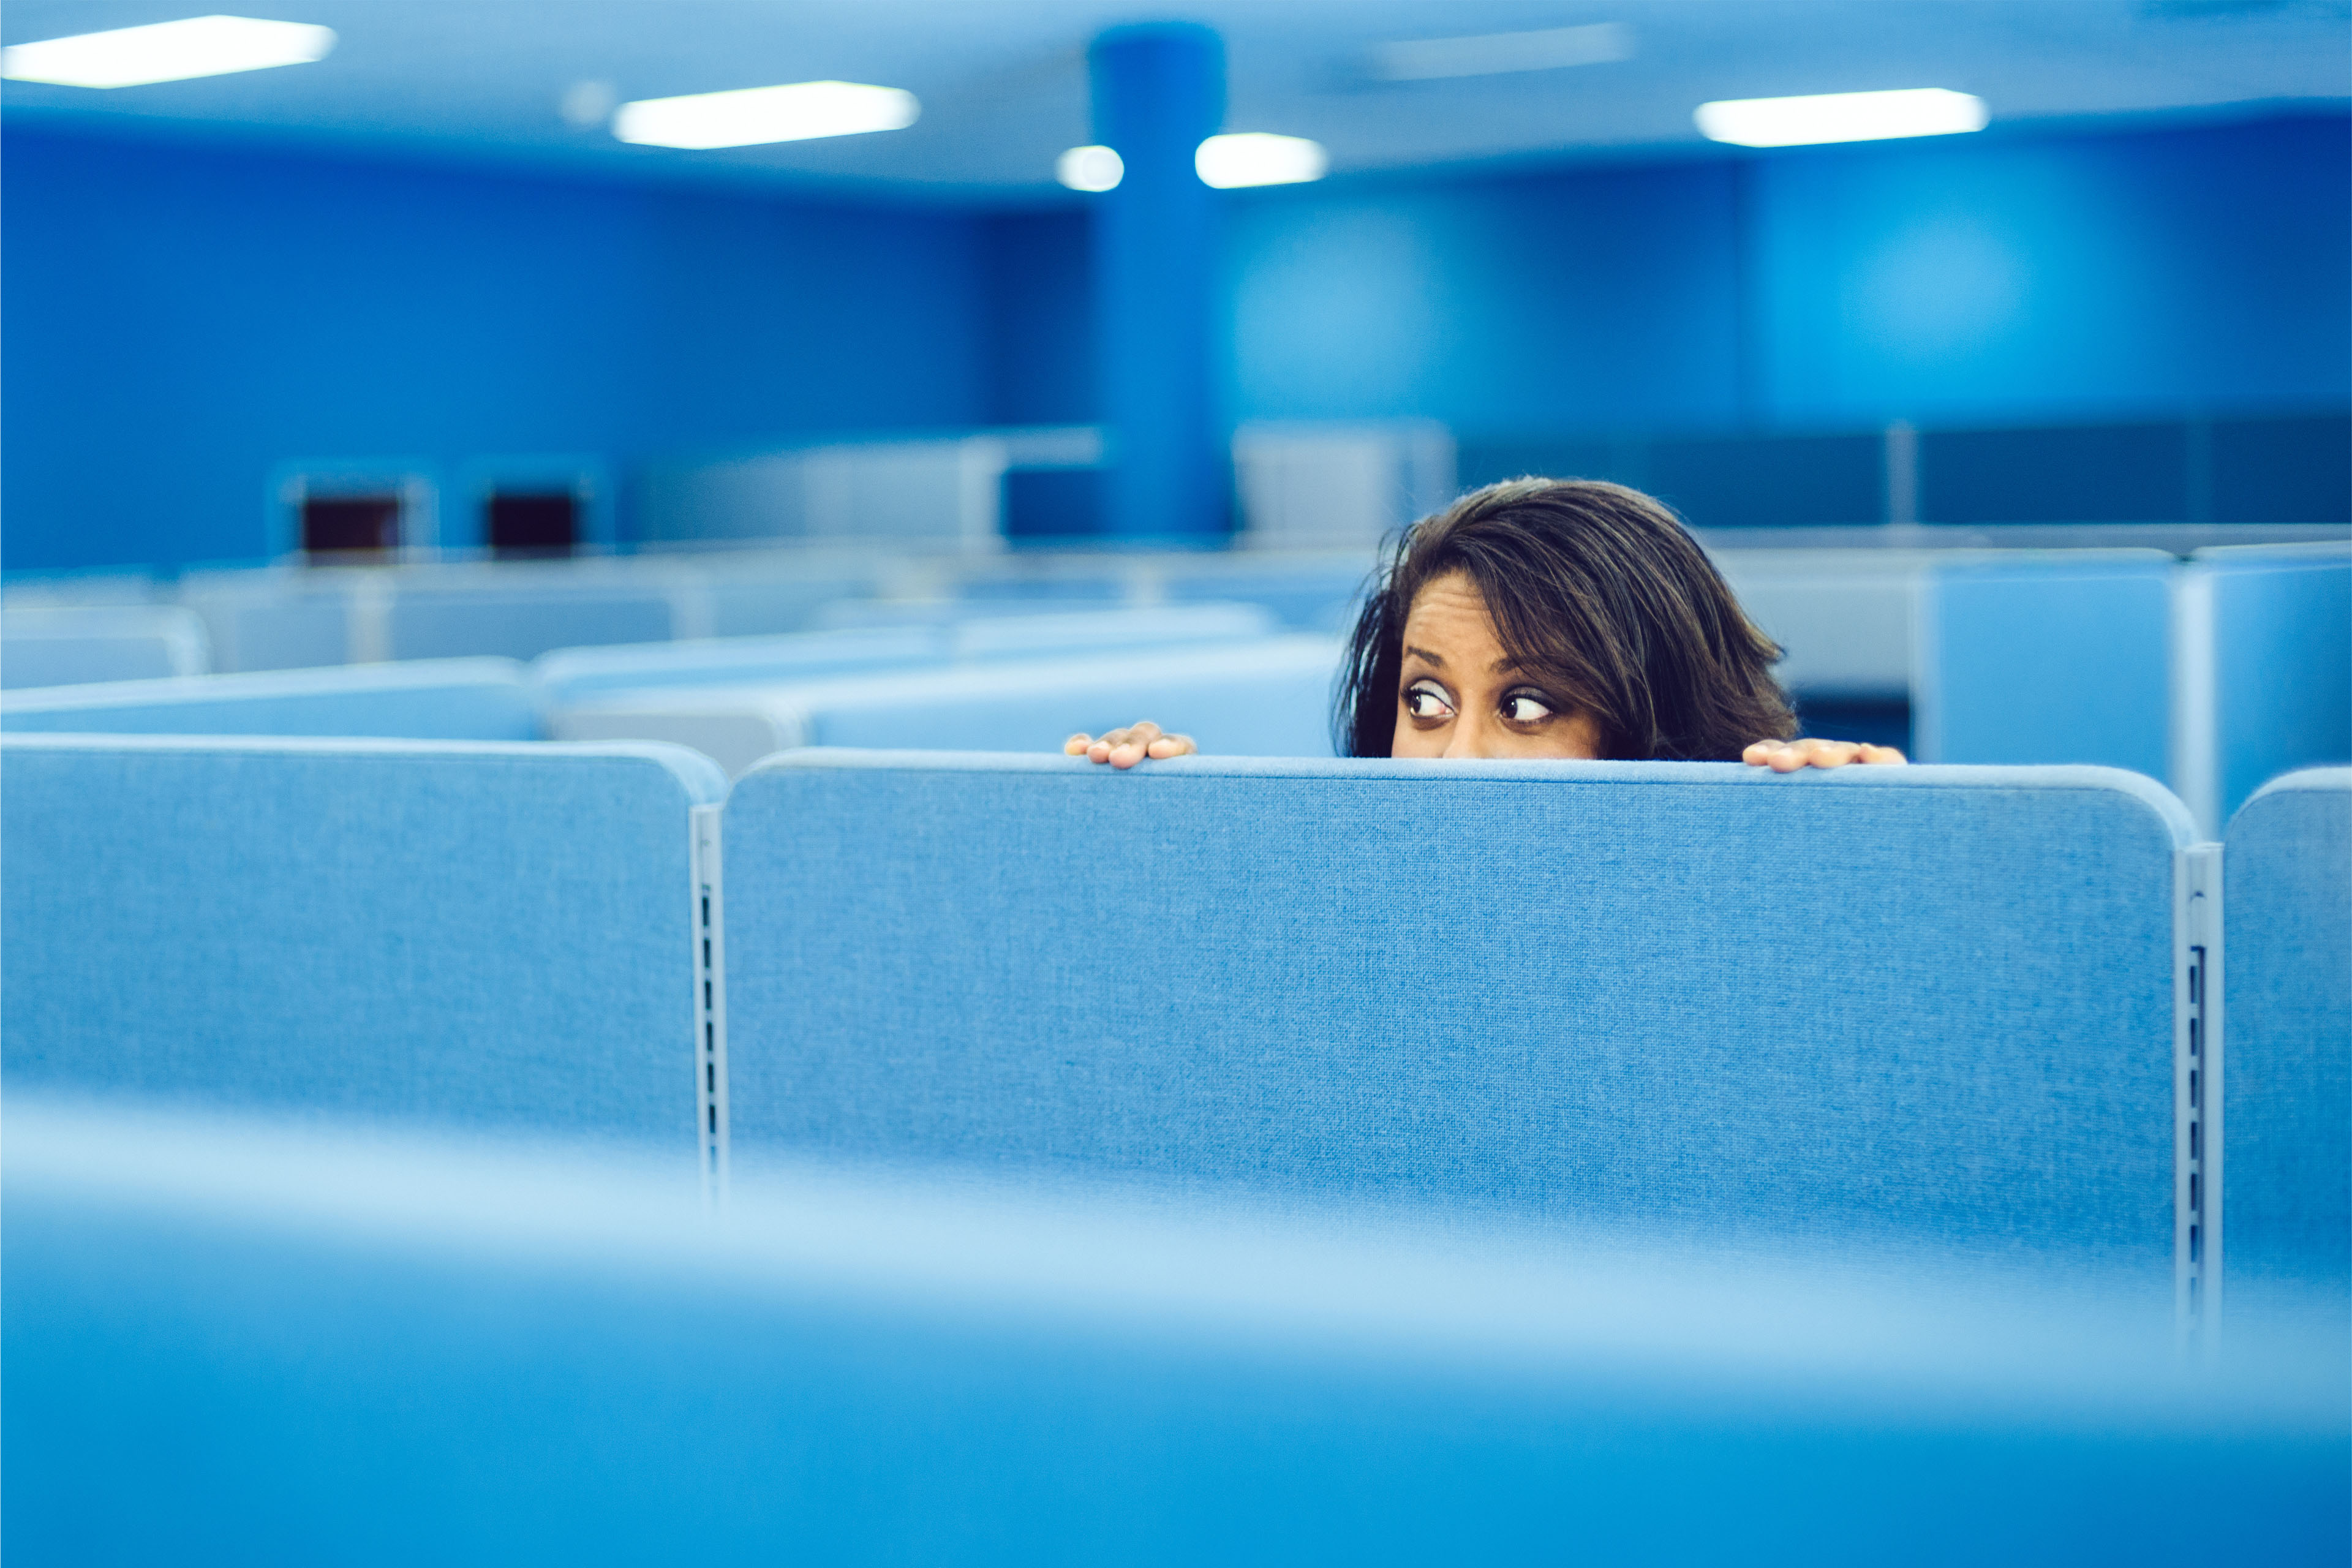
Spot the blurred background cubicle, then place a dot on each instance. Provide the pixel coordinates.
(458, 334)
(431, 348)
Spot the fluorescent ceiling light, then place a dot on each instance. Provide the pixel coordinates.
(1255, 158)
(1089, 169)
(167, 51)
(1496, 54)
(750, 116)
(1840, 117)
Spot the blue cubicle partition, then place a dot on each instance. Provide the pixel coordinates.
(523, 622)
(1266, 697)
(572, 675)
(71, 644)
(2279, 618)
(1925, 1005)
(2286, 1059)
(886, 635)
(426, 700)
(227, 1343)
(2053, 659)
(500, 936)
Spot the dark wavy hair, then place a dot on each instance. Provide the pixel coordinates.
(1601, 596)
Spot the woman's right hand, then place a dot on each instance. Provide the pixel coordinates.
(1125, 747)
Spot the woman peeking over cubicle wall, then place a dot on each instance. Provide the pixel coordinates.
(1551, 618)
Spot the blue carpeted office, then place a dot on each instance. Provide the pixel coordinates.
(1393, 782)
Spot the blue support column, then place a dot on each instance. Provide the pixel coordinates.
(1160, 91)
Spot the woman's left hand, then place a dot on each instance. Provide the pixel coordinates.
(1787, 756)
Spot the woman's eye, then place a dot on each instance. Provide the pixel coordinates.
(1427, 703)
(1525, 708)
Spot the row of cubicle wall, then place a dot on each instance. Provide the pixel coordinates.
(2213, 673)
(1239, 1152)
(1254, 1155)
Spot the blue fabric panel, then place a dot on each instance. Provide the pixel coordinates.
(451, 700)
(296, 632)
(2281, 666)
(1128, 626)
(228, 1349)
(1689, 998)
(32, 662)
(853, 614)
(485, 934)
(760, 606)
(2286, 1122)
(1267, 698)
(1305, 601)
(2046, 661)
(515, 623)
(570, 675)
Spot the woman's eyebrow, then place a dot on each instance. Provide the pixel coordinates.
(1424, 655)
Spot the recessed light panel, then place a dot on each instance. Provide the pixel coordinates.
(167, 51)
(1840, 117)
(1256, 158)
(1089, 169)
(752, 116)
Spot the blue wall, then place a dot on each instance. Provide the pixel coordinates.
(2012, 279)
(179, 319)
(1605, 299)
(2001, 278)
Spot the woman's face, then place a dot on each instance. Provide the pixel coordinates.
(1459, 695)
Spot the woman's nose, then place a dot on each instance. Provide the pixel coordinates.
(1468, 739)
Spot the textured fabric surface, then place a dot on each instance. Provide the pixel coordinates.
(1688, 997)
(437, 700)
(2282, 665)
(496, 935)
(2049, 660)
(237, 1348)
(2286, 1122)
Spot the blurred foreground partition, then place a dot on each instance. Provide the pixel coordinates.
(483, 935)
(2286, 1057)
(228, 1343)
(70, 644)
(424, 700)
(1541, 989)
(1262, 697)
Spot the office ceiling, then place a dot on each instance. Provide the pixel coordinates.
(1003, 83)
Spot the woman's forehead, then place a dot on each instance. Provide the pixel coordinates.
(1450, 610)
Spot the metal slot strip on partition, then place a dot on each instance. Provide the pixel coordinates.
(2196, 1097)
(709, 1002)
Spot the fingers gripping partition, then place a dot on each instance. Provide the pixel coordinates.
(502, 936)
(1937, 1005)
